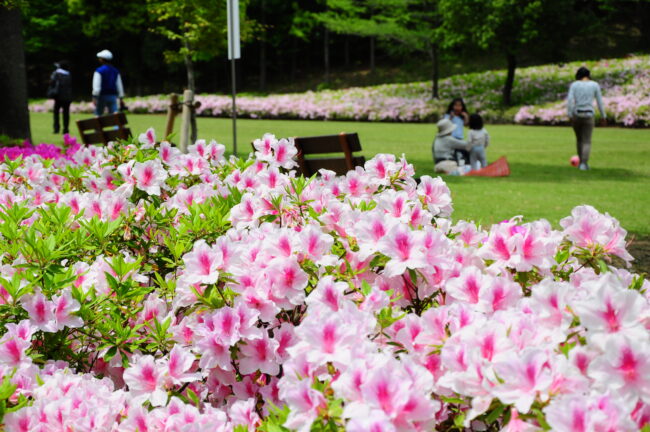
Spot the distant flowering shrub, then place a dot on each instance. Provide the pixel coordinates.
(145, 289)
(45, 151)
(627, 105)
(412, 102)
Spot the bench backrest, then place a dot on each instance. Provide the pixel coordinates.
(341, 143)
(101, 130)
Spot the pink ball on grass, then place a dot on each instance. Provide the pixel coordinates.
(574, 161)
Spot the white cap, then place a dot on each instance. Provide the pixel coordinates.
(105, 54)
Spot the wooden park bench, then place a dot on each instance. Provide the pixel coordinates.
(327, 144)
(101, 130)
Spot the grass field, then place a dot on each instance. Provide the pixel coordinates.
(542, 184)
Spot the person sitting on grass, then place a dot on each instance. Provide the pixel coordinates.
(444, 146)
(457, 113)
(478, 140)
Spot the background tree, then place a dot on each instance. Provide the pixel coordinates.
(14, 113)
(513, 27)
(414, 24)
(200, 29)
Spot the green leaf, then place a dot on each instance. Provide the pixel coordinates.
(453, 400)
(7, 388)
(366, 289)
(459, 420)
(541, 419)
(495, 414)
(193, 397)
(602, 265)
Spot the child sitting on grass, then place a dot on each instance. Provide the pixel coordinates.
(477, 140)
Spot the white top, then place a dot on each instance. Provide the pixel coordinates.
(580, 100)
(478, 138)
(97, 85)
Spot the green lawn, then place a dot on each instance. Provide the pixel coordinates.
(542, 184)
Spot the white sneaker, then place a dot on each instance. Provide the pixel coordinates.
(583, 166)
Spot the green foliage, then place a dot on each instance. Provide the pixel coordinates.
(413, 24)
(99, 17)
(513, 26)
(199, 26)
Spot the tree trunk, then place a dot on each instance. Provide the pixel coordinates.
(294, 60)
(14, 110)
(191, 85)
(372, 54)
(346, 51)
(263, 49)
(262, 66)
(510, 79)
(435, 71)
(326, 54)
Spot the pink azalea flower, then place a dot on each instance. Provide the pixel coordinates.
(259, 354)
(146, 381)
(624, 368)
(436, 196)
(525, 377)
(149, 176)
(202, 262)
(148, 139)
(40, 310)
(13, 347)
(242, 413)
(64, 307)
(283, 153)
(588, 228)
(178, 366)
(612, 309)
(403, 246)
(304, 402)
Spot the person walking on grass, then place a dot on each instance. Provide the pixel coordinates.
(107, 85)
(60, 89)
(580, 107)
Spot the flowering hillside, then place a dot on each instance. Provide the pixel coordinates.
(624, 82)
(625, 104)
(143, 289)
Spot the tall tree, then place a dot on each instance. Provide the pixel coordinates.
(114, 25)
(414, 24)
(200, 29)
(512, 27)
(14, 111)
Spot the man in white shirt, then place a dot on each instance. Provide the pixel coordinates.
(107, 85)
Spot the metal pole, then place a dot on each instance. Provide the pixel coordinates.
(232, 78)
(234, 108)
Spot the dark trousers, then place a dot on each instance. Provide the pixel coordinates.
(583, 128)
(61, 105)
(461, 154)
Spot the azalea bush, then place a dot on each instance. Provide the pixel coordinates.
(45, 151)
(534, 87)
(144, 289)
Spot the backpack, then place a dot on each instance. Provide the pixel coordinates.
(53, 88)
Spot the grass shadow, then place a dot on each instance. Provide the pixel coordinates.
(529, 172)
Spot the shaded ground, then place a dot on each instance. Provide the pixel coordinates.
(640, 250)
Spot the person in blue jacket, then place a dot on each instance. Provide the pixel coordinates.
(457, 114)
(107, 85)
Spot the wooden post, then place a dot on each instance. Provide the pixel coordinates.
(188, 101)
(172, 110)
